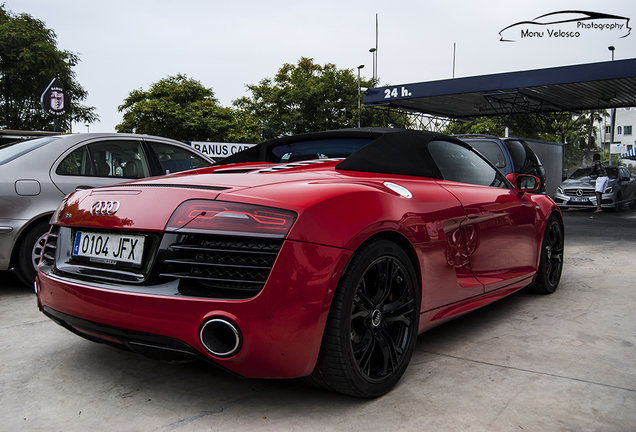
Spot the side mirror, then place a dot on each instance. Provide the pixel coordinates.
(524, 182)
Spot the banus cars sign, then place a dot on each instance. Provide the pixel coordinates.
(219, 150)
(54, 100)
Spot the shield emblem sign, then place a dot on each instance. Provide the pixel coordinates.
(54, 100)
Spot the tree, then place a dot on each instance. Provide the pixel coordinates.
(306, 97)
(245, 128)
(29, 60)
(494, 125)
(181, 108)
(580, 141)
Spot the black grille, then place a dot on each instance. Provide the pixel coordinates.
(584, 192)
(48, 257)
(193, 265)
(225, 267)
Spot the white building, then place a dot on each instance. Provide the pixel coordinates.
(624, 132)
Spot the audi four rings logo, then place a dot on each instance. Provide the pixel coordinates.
(105, 208)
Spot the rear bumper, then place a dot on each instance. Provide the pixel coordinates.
(281, 328)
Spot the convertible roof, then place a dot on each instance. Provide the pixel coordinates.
(405, 152)
(261, 151)
(600, 85)
(391, 150)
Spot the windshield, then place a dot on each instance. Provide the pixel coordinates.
(581, 173)
(317, 149)
(14, 150)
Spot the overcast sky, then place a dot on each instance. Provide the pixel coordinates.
(130, 44)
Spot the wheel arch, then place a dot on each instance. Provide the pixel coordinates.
(327, 372)
(399, 239)
(15, 249)
(556, 212)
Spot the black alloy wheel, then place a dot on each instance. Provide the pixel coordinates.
(551, 261)
(373, 324)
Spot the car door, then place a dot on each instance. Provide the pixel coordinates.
(95, 163)
(499, 232)
(434, 219)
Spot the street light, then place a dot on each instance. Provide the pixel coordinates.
(359, 67)
(374, 51)
(613, 111)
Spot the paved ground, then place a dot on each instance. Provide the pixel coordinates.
(564, 362)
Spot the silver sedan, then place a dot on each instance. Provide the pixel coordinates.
(578, 191)
(38, 173)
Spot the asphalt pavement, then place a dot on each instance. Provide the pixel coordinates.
(562, 362)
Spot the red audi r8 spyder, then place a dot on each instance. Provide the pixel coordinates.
(319, 256)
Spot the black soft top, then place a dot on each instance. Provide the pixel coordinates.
(387, 150)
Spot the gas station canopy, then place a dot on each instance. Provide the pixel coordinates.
(593, 86)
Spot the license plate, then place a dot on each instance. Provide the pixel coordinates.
(579, 199)
(110, 249)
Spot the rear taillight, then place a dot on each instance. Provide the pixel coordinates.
(217, 217)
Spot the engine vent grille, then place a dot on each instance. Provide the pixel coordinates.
(220, 267)
(48, 256)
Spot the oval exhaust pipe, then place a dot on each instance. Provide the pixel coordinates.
(221, 337)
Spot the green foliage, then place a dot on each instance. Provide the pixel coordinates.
(181, 108)
(245, 128)
(580, 141)
(378, 116)
(306, 97)
(479, 126)
(29, 60)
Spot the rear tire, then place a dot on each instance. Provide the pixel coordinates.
(551, 261)
(373, 324)
(30, 251)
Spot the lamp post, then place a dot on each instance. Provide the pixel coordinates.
(612, 112)
(359, 67)
(374, 51)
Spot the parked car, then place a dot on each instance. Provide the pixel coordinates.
(38, 173)
(319, 256)
(509, 155)
(578, 190)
